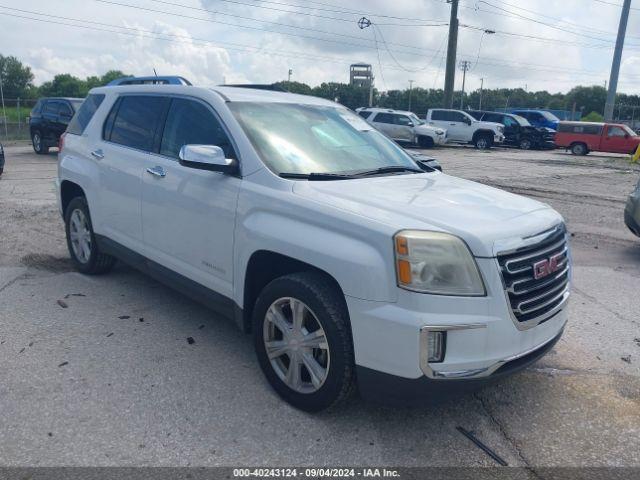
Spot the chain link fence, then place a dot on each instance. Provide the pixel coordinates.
(14, 118)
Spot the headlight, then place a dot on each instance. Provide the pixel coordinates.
(435, 262)
(500, 128)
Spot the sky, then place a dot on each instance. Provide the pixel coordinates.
(537, 45)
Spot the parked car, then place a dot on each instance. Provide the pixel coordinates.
(584, 137)
(49, 119)
(404, 127)
(319, 235)
(1, 159)
(518, 132)
(463, 128)
(632, 211)
(539, 118)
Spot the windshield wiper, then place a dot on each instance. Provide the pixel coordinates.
(316, 176)
(387, 169)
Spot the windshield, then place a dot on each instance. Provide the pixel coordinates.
(629, 131)
(549, 116)
(415, 119)
(522, 121)
(304, 139)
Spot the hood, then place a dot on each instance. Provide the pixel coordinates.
(490, 125)
(426, 129)
(478, 214)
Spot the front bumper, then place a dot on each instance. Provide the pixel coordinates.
(498, 138)
(482, 337)
(381, 387)
(632, 213)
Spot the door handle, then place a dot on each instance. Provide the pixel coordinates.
(158, 171)
(98, 154)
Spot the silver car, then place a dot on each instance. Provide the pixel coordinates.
(632, 211)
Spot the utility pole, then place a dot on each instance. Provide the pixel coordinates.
(371, 91)
(615, 65)
(410, 85)
(464, 66)
(450, 74)
(480, 101)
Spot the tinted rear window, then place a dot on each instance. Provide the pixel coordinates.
(364, 114)
(584, 129)
(84, 114)
(136, 121)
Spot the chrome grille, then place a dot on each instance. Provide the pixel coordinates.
(536, 300)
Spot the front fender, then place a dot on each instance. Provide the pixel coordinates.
(360, 260)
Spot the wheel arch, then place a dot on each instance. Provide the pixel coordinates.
(265, 266)
(68, 191)
(482, 132)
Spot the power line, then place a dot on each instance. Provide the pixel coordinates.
(615, 4)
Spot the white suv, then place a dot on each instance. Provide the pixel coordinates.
(404, 127)
(463, 128)
(290, 214)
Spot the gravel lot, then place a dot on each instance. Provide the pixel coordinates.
(98, 371)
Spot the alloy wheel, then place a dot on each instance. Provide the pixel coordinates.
(80, 235)
(37, 142)
(296, 345)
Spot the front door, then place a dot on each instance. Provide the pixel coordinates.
(404, 128)
(188, 215)
(615, 140)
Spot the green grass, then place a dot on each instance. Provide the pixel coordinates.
(12, 113)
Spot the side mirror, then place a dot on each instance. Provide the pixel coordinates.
(206, 157)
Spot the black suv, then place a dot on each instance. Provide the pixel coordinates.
(49, 119)
(518, 131)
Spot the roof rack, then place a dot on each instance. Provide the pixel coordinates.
(155, 80)
(257, 86)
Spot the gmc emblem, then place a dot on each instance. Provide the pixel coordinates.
(547, 266)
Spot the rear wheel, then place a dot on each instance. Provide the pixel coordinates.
(38, 143)
(303, 341)
(81, 240)
(579, 149)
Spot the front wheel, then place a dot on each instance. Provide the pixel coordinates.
(81, 240)
(483, 142)
(525, 144)
(303, 341)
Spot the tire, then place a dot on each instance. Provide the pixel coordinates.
(38, 143)
(579, 149)
(425, 142)
(483, 142)
(525, 144)
(77, 221)
(325, 315)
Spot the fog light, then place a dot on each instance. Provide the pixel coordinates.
(435, 346)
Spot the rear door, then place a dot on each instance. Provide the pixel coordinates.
(130, 133)
(440, 118)
(49, 117)
(188, 215)
(65, 113)
(385, 122)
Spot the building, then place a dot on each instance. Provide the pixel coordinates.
(361, 75)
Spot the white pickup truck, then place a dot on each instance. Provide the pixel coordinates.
(350, 263)
(463, 128)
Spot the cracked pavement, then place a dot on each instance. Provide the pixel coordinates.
(134, 392)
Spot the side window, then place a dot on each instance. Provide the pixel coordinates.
(508, 122)
(364, 114)
(616, 132)
(84, 114)
(50, 108)
(65, 110)
(457, 117)
(384, 118)
(191, 122)
(439, 115)
(403, 120)
(136, 120)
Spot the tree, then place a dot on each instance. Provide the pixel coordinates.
(64, 85)
(593, 117)
(17, 79)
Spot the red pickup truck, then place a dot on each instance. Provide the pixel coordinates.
(584, 137)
